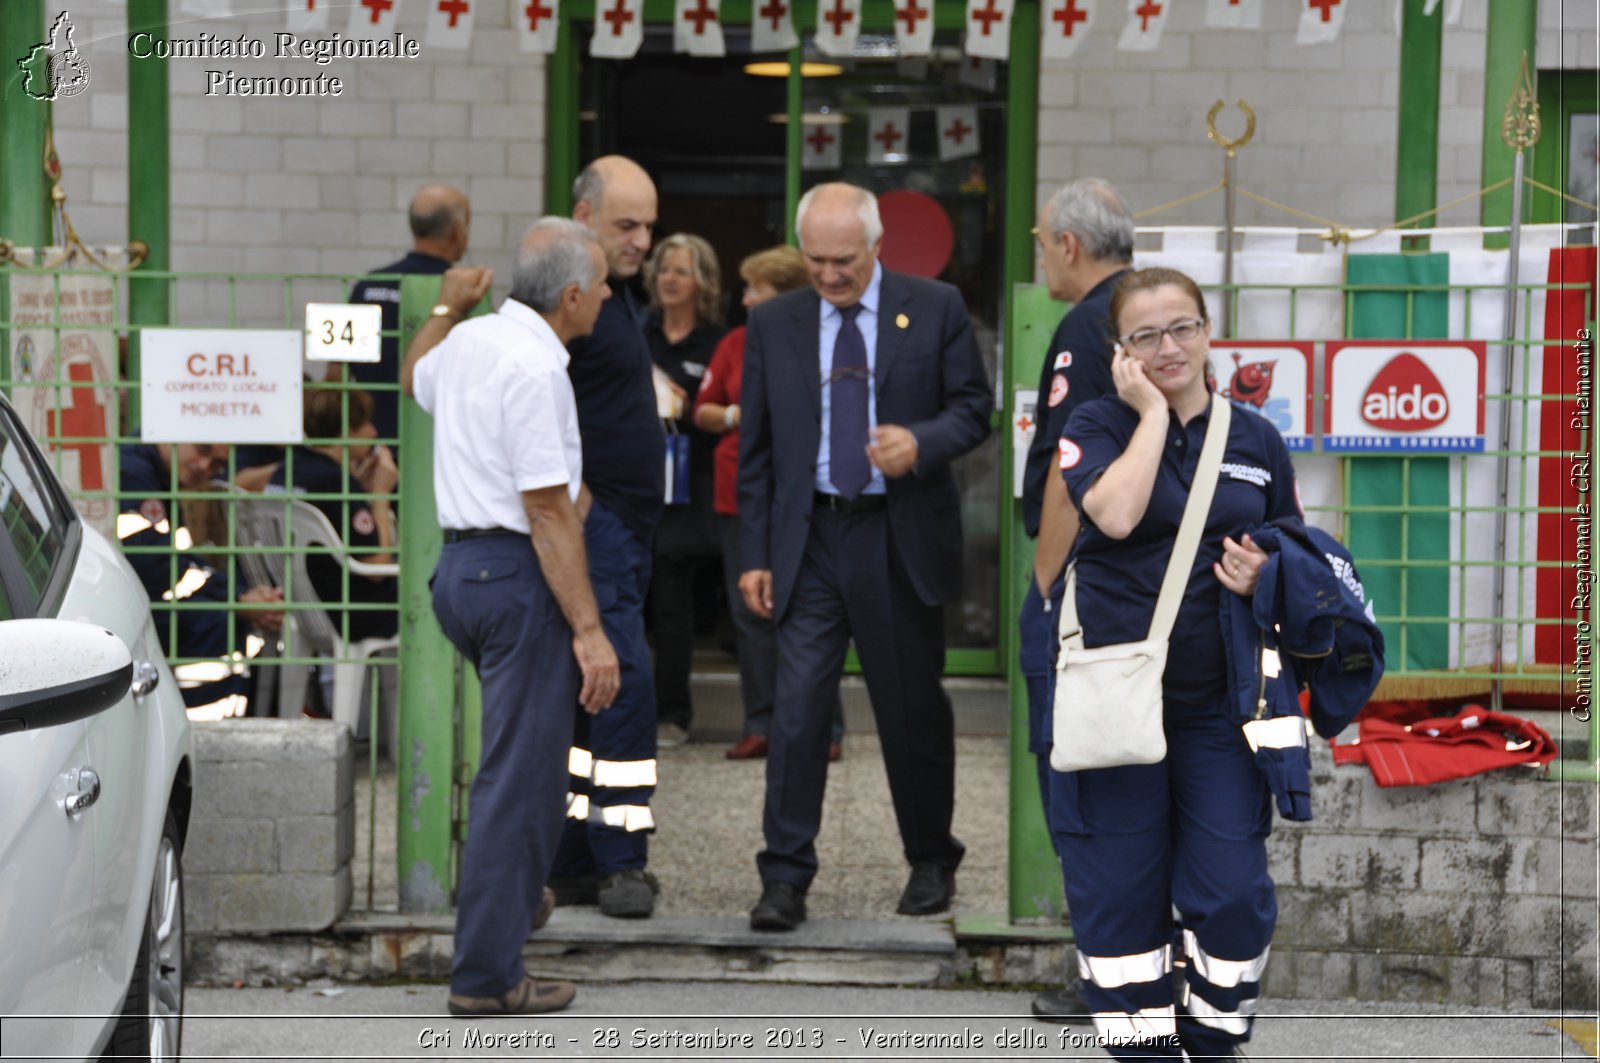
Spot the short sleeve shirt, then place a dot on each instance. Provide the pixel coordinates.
(505, 420)
(1076, 370)
(1118, 580)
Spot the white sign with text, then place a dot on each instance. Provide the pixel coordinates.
(220, 386)
(1404, 395)
(344, 332)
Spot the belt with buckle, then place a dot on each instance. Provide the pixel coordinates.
(859, 504)
(461, 535)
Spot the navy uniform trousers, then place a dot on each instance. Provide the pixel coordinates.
(494, 605)
(1036, 644)
(613, 761)
(851, 585)
(1139, 843)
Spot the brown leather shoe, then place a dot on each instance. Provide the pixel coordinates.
(750, 747)
(527, 997)
(547, 904)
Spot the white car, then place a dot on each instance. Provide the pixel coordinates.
(95, 784)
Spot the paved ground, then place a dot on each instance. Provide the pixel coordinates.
(654, 1020)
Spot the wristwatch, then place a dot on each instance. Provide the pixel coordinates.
(445, 310)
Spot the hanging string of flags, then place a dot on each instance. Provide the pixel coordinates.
(697, 27)
(888, 136)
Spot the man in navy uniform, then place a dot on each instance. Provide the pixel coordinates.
(1085, 236)
(858, 395)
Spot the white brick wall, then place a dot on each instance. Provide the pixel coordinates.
(271, 183)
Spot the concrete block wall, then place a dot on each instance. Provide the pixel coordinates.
(1478, 891)
(273, 830)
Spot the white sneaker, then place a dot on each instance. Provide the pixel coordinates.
(669, 735)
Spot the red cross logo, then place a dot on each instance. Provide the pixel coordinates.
(958, 131)
(909, 15)
(1325, 6)
(775, 10)
(536, 11)
(839, 17)
(887, 136)
(820, 138)
(1024, 422)
(311, 5)
(700, 15)
(1069, 17)
(85, 417)
(619, 17)
(988, 16)
(377, 7)
(1147, 11)
(455, 9)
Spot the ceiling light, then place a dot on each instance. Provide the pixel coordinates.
(780, 69)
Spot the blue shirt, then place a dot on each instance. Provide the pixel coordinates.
(827, 335)
(1120, 579)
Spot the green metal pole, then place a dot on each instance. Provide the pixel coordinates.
(1416, 184)
(1512, 33)
(792, 141)
(149, 185)
(24, 190)
(561, 144)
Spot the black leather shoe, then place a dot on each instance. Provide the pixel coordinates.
(1064, 1005)
(929, 890)
(782, 907)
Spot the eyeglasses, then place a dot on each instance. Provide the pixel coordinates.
(1148, 339)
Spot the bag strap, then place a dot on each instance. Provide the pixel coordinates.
(1184, 547)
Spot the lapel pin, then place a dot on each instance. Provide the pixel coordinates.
(901, 321)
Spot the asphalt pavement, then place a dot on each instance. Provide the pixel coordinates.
(738, 1021)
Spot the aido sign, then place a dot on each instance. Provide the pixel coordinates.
(220, 385)
(1405, 396)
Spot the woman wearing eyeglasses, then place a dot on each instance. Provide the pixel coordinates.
(1169, 857)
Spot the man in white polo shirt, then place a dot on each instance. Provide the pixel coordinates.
(512, 588)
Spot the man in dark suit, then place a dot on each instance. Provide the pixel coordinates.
(857, 396)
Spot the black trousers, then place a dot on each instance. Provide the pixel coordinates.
(851, 586)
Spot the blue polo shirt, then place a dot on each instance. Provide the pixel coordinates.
(624, 445)
(1120, 579)
(1076, 370)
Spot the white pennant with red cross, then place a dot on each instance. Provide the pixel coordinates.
(838, 26)
(913, 26)
(373, 19)
(1146, 20)
(450, 24)
(888, 132)
(538, 23)
(958, 131)
(1066, 24)
(207, 8)
(697, 28)
(979, 73)
(989, 28)
(1320, 21)
(1233, 14)
(772, 26)
(618, 29)
(1452, 12)
(308, 16)
(819, 147)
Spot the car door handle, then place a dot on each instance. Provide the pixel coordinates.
(87, 793)
(146, 677)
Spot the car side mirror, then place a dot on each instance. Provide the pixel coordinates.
(57, 671)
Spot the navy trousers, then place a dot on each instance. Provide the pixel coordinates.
(494, 605)
(613, 762)
(851, 586)
(1036, 628)
(1174, 854)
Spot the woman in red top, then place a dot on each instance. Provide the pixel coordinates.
(716, 410)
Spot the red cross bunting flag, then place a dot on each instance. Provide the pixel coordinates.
(887, 130)
(958, 131)
(538, 22)
(373, 19)
(1142, 31)
(1452, 12)
(307, 16)
(838, 26)
(450, 24)
(913, 26)
(989, 28)
(1320, 21)
(1066, 24)
(979, 73)
(1233, 14)
(697, 28)
(618, 29)
(207, 8)
(772, 26)
(820, 147)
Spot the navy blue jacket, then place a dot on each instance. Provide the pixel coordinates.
(386, 294)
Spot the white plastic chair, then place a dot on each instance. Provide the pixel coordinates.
(282, 520)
